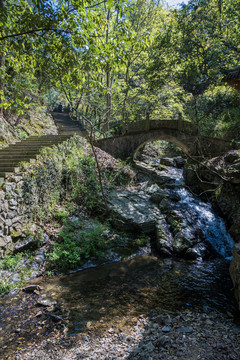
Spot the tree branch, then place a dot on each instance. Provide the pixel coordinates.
(33, 32)
(209, 169)
(93, 6)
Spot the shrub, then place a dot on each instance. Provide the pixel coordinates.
(10, 262)
(75, 246)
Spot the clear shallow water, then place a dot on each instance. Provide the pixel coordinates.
(139, 285)
(113, 295)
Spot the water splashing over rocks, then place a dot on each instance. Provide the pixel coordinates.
(180, 223)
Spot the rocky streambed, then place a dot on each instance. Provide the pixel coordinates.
(179, 223)
(178, 307)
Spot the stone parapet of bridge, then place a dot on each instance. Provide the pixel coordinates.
(180, 125)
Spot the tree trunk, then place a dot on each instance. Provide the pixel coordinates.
(108, 84)
(109, 102)
(125, 100)
(2, 62)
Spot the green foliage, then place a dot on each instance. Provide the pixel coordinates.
(161, 167)
(67, 170)
(141, 241)
(217, 112)
(194, 48)
(60, 214)
(75, 246)
(10, 262)
(5, 286)
(121, 61)
(13, 264)
(218, 191)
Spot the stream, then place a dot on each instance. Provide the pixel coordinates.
(102, 298)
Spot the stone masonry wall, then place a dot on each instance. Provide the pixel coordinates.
(14, 211)
(20, 200)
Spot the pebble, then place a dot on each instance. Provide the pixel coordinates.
(149, 347)
(39, 314)
(56, 318)
(31, 288)
(166, 329)
(15, 278)
(46, 301)
(186, 329)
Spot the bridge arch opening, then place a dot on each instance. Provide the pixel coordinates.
(164, 147)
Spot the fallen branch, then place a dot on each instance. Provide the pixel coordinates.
(209, 169)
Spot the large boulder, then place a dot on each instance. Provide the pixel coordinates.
(183, 240)
(180, 162)
(172, 233)
(168, 162)
(235, 271)
(132, 210)
(164, 238)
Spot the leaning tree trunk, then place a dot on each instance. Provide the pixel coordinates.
(2, 60)
(125, 99)
(108, 82)
(109, 102)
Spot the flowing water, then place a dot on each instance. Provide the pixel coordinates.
(212, 225)
(99, 298)
(202, 215)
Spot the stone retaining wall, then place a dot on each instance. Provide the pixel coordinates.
(30, 195)
(14, 211)
(20, 201)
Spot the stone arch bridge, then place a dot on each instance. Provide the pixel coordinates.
(181, 133)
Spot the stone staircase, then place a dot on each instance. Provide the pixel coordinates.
(28, 149)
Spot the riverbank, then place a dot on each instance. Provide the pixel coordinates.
(187, 335)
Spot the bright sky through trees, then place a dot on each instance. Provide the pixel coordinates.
(176, 3)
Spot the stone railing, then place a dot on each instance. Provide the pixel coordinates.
(147, 125)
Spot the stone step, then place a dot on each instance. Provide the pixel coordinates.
(6, 162)
(10, 162)
(41, 141)
(28, 149)
(31, 144)
(44, 138)
(34, 143)
(43, 135)
(24, 148)
(21, 152)
(8, 169)
(4, 174)
(71, 132)
(47, 138)
(14, 153)
(18, 157)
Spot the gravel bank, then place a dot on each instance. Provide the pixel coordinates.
(187, 335)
